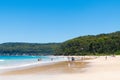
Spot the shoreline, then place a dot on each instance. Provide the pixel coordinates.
(54, 68)
(39, 63)
(33, 64)
(26, 66)
(92, 69)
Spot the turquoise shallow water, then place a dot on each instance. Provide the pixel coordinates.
(10, 61)
(23, 57)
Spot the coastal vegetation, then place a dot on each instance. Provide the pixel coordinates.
(102, 44)
(27, 48)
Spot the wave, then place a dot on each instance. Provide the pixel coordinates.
(23, 66)
(42, 63)
(28, 65)
(2, 60)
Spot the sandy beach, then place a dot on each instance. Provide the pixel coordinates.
(93, 69)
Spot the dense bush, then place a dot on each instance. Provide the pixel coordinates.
(92, 44)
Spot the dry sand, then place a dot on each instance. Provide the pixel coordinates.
(94, 69)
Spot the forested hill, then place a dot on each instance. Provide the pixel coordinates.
(27, 48)
(84, 45)
(92, 44)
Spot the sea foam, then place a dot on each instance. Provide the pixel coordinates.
(2, 60)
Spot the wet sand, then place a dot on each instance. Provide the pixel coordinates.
(99, 68)
(56, 68)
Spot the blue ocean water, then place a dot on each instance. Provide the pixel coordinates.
(9, 61)
(23, 57)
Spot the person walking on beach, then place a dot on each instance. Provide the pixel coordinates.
(73, 59)
(106, 58)
(68, 58)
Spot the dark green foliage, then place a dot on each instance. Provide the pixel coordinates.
(87, 45)
(27, 49)
(103, 44)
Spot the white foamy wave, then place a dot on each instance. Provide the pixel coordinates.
(29, 65)
(2, 60)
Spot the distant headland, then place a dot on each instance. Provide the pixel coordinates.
(101, 44)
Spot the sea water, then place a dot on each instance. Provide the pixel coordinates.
(10, 62)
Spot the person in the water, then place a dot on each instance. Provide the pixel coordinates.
(73, 59)
(39, 59)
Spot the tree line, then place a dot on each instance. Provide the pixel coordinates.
(102, 44)
(27, 48)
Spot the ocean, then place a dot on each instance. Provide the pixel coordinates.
(11, 62)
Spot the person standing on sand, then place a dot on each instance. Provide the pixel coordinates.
(69, 63)
(106, 58)
(68, 58)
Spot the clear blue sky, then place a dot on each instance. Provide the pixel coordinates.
(43, 21)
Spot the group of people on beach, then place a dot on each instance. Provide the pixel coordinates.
(41, 59)
(71, 58)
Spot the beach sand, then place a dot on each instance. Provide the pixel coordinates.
(94, 69)
(56, 68)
